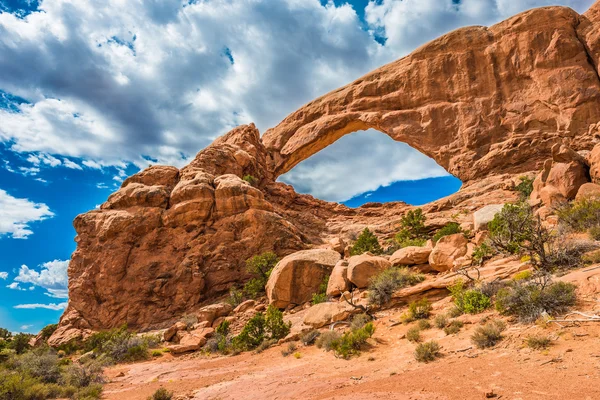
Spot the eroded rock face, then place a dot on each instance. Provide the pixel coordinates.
(171, 240)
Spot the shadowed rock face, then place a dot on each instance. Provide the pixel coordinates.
(485, 103)
(477, 100)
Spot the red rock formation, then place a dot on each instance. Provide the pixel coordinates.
(480, 101)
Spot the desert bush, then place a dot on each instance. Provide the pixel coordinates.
(40, 363)
(291, 348)
(327, 339)
(266, 344)
(119, 344)
(261, 327)
(427, 352)
(489, 334)
(594, 232)
(223, 328)
(412, 229)
(580, 215)
(366, 242)
(275, 327)
(482, 253)
(351, 342)
(538, 342)
(423, 324)
(250, 179)
(523, 275)
(261, 267)
(161, 394)
(449, 229)
(5, 334)
(359, 320)
(20, 342)
(471, 301)
(525, 187)
(413, 334)
(511, 227)
(189, 320)
(236, 297)
(310, 337)
(47, 331)
(527, 300)
(440, 321)
(453, 327)
(420, 309)
(383, 285)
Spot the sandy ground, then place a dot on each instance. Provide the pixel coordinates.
(569, 369)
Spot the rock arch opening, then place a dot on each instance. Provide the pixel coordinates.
(369, 166)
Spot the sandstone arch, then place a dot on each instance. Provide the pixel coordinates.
(477, 100)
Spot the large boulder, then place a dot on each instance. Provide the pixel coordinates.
(363, 267)
(594, 161)
(298, 276)
(323, 314)
(338, 280)
(411, 255)
(588, 191)
(446, 251)
(568, 178)
(483, 216)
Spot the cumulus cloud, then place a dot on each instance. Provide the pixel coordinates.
(51, 306)
(17, 214)
(354, 165)
(52, 277)
(3, 275)
(117, 82)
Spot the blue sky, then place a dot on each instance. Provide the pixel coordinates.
(92, 91)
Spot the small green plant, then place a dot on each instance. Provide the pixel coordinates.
(449, 229)
(297, 355)
(250, 179)
(383, 285)
(420, 309)
(580, 215)
(440, 321)
(489, 334)
(262, 327)
(482, 253)
(427, 352)
(274, 324)
(453, 327)
(20, 342)
(475, 302)
(412, 229)
(261, 267)
(236, 297)
(413, 334)
(538, 342)
(527, 300)
(321, 295)
(366, 242)
(351, 342)
(525, 187)
(523, 275)
(161, 394)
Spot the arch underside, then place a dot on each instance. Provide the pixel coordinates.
(478, 100)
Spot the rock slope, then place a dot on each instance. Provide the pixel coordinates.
(485, 103)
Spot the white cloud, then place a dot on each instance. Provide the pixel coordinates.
(70, 164)
(14, 286)
(16, 215)
(52, 277)
(3, 275)
(127, 81)
(25, 327)
(358, 163)
(51, 306)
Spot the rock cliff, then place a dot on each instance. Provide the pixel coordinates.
(485, 103)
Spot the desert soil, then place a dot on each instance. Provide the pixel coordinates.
(569, 369)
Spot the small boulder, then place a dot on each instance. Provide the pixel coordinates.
(191, 341)
(338, 280)
(411, 255)
(245, 306)
(298, 276)
(211, 312)
(447, 250)
(338, 244)
(170, 333)
(588, 191)
(363, 267)
(483, 216)
(323, 314)
(551, 196)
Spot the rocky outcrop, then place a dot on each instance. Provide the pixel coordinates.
(170, 240)
(298, 276)
(365, 266)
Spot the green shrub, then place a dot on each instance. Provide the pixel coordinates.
(412, 229)
(310, 337)
(40, 363)
(482, 253)
(47, 331)
(275, 327)
(525, 187)
(475, 302)
(250, 179)
(327, 339)
(266, 344)
(161, 394)
(427, 352)
(489, 334)
(236, 297)
(261, 267)
(449, 229)
(528, 300)
(359, 320)
(223, 328)
(260, 328)
(366, 242)
(119, 344)
(453, 327)
(538, 342)
(413, 334)
(351, 342)
(580, 215)
(523, 275)
(383, 285)
(594, 232)
(321, 295)
(20, 342)
(5, 333)
(512, 227)
(440, 321)
(291, 349)
(420, 309)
